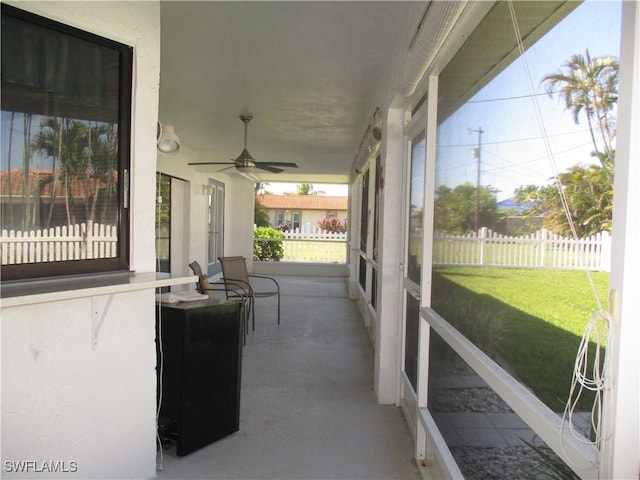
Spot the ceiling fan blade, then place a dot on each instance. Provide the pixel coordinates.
(211, 163)
(279, 164)
(268, 168)
(225, 168)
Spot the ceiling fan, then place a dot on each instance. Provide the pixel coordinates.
(245, 162)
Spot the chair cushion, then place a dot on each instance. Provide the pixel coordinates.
(205, 286)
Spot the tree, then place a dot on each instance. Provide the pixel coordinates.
(589, 200)
(591, 85)
(307, 189)
(455, 209)
(84, 153)
(260, 215)
(261, 188)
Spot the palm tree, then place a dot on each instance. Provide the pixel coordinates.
(590, 85)
(9, 155)
(27, 217)
(65, 141)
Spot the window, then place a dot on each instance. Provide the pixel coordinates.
(416, 212)
(66, 107)
(503, 273)
(376, 223)
(279, 218)
(364, 213)
(413, 269)
(296, 219)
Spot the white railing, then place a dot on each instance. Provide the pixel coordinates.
(538, 250)
(310, 244)
(69, 242)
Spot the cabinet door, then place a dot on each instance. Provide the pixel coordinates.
(211, 371)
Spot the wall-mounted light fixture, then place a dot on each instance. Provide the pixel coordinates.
(369, 145)
(168, 141)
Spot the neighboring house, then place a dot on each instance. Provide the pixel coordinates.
(511, 204)
(299, 210)
(71, 204)
(517, 223)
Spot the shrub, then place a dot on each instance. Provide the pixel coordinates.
(332, 224)
(266, 249)
(260, 215)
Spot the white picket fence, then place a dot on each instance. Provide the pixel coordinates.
(70, 242)
(310, 244)
(538, 250)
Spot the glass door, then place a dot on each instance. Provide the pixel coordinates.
(163, 222)
(215, 230)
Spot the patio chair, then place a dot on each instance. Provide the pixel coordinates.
(205, 286)
(234, 274)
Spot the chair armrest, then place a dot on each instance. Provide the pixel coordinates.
(236, 284)
(268, 278)
(213, 289)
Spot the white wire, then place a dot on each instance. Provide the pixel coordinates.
(160, 366)
(160, 378)
(598, 327)
(600, 323)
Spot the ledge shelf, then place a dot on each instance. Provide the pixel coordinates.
(53, 290)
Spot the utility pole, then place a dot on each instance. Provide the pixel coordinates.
(476, 152)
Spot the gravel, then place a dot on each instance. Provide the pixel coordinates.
(483, 463)
(467, 400)
(513, 463)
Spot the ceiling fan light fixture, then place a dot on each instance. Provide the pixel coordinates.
(245, 162)
(168, 141)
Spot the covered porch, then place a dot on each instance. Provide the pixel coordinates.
(356, 93)
(308, 408)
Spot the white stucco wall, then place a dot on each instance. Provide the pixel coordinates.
(238, 232)
(239, 207)
(62, 400)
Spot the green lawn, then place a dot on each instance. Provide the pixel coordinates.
(543, 314)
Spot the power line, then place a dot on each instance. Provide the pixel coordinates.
(516, 97)
(524, 139)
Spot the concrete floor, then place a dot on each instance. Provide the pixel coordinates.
(308, 410)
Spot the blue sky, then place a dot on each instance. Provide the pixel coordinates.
(513, 153)
(330, 189)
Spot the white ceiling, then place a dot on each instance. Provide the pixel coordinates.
(306, 71)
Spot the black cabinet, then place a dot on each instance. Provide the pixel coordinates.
(199, 346)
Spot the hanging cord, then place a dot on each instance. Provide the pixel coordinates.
(599, 327)
(160, 366)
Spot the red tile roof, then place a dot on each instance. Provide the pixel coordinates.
(14, 178)
(303, 202)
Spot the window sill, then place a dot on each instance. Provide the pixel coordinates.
(53, 290)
